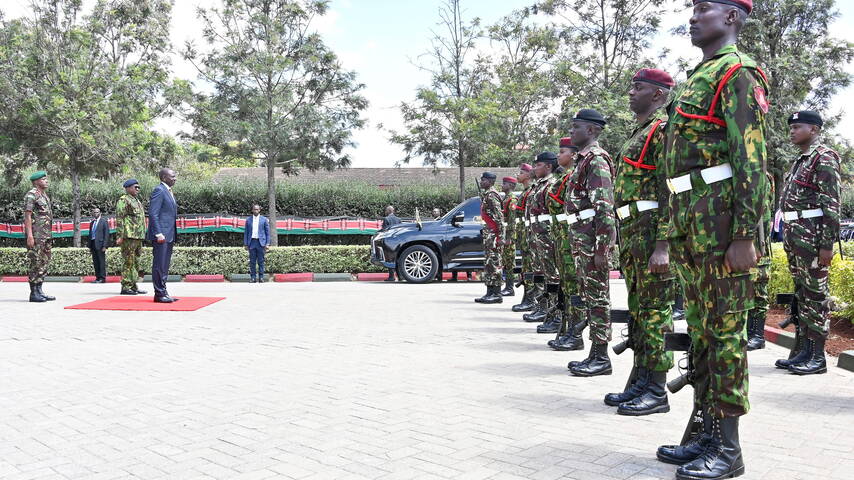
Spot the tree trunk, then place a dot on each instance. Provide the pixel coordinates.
(75, 203)
(271, 200)
(462, 163)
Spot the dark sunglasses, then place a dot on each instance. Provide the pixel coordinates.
(137, 187)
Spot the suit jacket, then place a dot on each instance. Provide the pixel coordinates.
(100, 238)
(162, 215)
(389, 221)
(263, 231)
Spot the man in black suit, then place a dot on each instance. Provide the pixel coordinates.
(390, 220)
(99, 239)
(162, 232)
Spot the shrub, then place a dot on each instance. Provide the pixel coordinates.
(205, 260)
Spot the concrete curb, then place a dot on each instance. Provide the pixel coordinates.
(333, 277)
(846, 360)
(62, 279)
(293, 277)
(204, 278)
(110, 279)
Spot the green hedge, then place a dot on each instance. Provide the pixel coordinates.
(205, 260)
(841, 278)
(235, 197)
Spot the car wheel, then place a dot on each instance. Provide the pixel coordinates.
(418, 264)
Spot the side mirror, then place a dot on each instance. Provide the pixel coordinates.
(458, 218)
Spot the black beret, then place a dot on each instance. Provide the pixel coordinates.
(130, 182)
(489, 175)
(547, 157)
(809, 117)
(590, 115)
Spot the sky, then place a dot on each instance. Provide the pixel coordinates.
(382, 40)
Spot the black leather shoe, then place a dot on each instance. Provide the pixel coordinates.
(140, 292)
(260, 279)
(125, 291)
(526, 305)
(551, 324)
(253, 280)
(566, 343)
(598, 362)
(493, 295)
(722, 457)
(166, 299)
(508, 289)
(98, 280)
(538, 315)
(682, 454)
(755, 332)
(653, 398)
(815, 363)
(799, 354)
(47, 297)
(636, 389)
(35, 296)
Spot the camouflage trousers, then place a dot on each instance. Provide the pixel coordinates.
(508, 261)
(131, 250)
(811, 289)
(760, 287)
(543, 249)
(651, 295)
(568, 280)
(716, 306)
(492, 259)
(592, 282)
(38, 259)
(527, 258)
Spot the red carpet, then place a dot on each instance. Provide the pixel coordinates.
(146, 303)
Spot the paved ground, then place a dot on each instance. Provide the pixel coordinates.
(354, 380)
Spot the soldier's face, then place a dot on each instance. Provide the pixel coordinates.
(508, 187)
(641, 96)
(565, 156)
(801, 133)
(132, 190)
(580, 133)
(41, 183)
(709, 22)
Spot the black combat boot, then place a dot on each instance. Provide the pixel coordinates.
(597, 363)
(508, 288)
(527, 304)
(636, 389)
(554, 308)
(568, 342)
(480, 299)
(815, 362)
(540, 310)
(696, 446)
(41, 292)
(35, 296)
(755, 332)
(493, 295)
(799, 354)
(722, 458)
(652, 400)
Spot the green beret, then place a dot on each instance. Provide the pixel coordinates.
(38, 175)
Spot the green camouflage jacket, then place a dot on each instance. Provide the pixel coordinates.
(705, 130)
(508, 207)
(639, 176)
(538, 202)
(813, 182)
(130, 217)
(491, 213)
(591, 185)
(39, 203)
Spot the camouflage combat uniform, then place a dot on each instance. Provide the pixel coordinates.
(508, 252)
(637, 193)
(592, 227)
(726, 131)
(130, 227)
(563, 253)
(541, 239)
(761, 301)
(493, 233)
(812, 184)
(523, 234)
(38, 257)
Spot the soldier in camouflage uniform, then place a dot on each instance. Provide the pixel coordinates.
(756, 315)
(130, 231)
(715, 165)
(567, 338)
(637, 195)
(810, 205)
(589, 208)
(38, 223)
(522, 233)
(493, 238)
(508, 249)
(543, 246)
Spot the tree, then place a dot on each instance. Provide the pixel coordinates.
(806, 67)
(78, 91)
(438, 122)
(278, 94)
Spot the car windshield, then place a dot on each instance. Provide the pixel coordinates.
(468, 208)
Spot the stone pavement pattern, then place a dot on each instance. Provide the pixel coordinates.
(354, 380)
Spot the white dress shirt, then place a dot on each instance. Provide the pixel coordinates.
(256, 219)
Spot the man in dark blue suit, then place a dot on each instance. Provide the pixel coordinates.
(99, 239)
(162, 232)
(256, 238)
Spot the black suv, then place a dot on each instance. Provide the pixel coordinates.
(420, 251)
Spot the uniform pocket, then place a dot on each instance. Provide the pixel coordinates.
(733, 293)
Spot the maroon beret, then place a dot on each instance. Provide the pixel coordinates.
(526, 167)
(566, 142)
(746, 5)
(509, 179)
(655, 77)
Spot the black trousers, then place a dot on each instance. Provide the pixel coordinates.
(99, 261)
(161, 260)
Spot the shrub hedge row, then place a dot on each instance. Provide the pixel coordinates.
(235, 197)
(205, 260)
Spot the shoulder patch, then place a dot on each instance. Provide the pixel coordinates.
(761, 99)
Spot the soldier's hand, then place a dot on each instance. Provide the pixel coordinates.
(740, 256)
(600, 261)
(119, 241)
(825, 257)
(659, 261)
(31, 242)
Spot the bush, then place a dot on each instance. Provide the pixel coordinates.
(235, 197)
(205, 260)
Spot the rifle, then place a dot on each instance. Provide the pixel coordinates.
(794, 318)
(623, 316)
(681, 342)
(576, 301)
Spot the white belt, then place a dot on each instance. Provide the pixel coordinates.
(710, 175)
(518, 220)
(561, 217)
(527, 223)
(582, 215)
(503, 224)
(642, 205)
(794, 215)
(544, 218)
